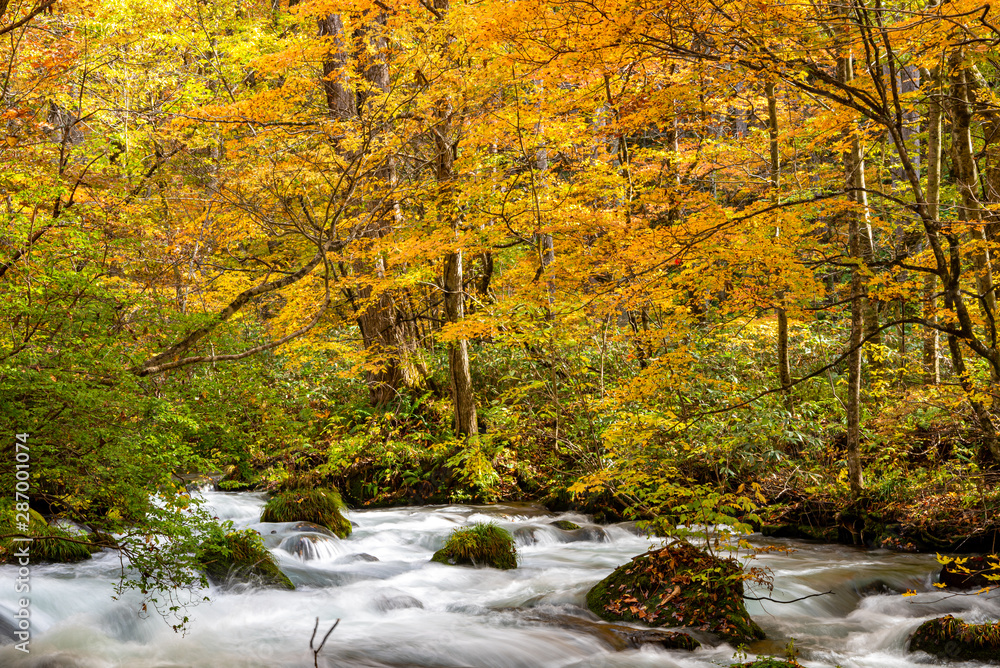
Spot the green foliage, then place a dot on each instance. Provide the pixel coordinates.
(482, 544)
(47, 543)
(768, 662)
(319, 506)
(241, 556)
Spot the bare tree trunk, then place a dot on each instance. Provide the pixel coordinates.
(855, 182)
(968, 181)
(459, 369)
(784, 368)
(383, 328)
(932, 363)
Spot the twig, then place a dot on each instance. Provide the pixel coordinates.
(317, 650)
(800, 598)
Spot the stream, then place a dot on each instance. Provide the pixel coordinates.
(397, 609)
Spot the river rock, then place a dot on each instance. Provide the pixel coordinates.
(972, 573)
(479, 545)
(678, 585)
(353, 558)
(565, 525)
(954, 640)
(385, 603)
(241, 557)
(321, 506)
(309, 527)
(616, 636)
(304, 545)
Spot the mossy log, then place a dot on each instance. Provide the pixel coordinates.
(319, 506)
(678, 585)
(479, 545)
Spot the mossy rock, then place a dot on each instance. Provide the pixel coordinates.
(972, 572)
(803, 531)
(768, 662)
(241, 556)
(48, 544)
(565, 525)
(479, 545)
(678, 585)
(319, 506)
(953, 639)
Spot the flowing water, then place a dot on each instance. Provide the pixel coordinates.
(398, 609)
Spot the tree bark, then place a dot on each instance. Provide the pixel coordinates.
(932, 363)
(784, 368)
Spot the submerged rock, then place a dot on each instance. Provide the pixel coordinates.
(306, 545)
(319, 506)
(385, 603)
(309, 527)
(804, 531)
(616, 636)
(954, 640)
(972, 572)
(241, 557)
(479, 545)
(678, 585)
(360, 556)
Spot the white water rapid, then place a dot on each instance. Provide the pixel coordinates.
(397, 609)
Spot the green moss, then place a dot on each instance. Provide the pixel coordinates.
(678, 585)
(565, 525)
(241, 555)
(480, 544)
(769, 662)
(319, 506)
(953, 639)
(48, 543)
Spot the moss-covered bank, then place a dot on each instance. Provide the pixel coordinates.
(48, 543)
(678, 585)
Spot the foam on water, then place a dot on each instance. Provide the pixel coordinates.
(399, 609)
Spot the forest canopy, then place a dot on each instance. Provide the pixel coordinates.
(625, 254)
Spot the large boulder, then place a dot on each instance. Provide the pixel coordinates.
(479, 545)
(971, 572)
(240, 556)
(319, 506)
(678, 585)
(954, 640)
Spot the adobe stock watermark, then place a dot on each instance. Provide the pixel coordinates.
(22, 544)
